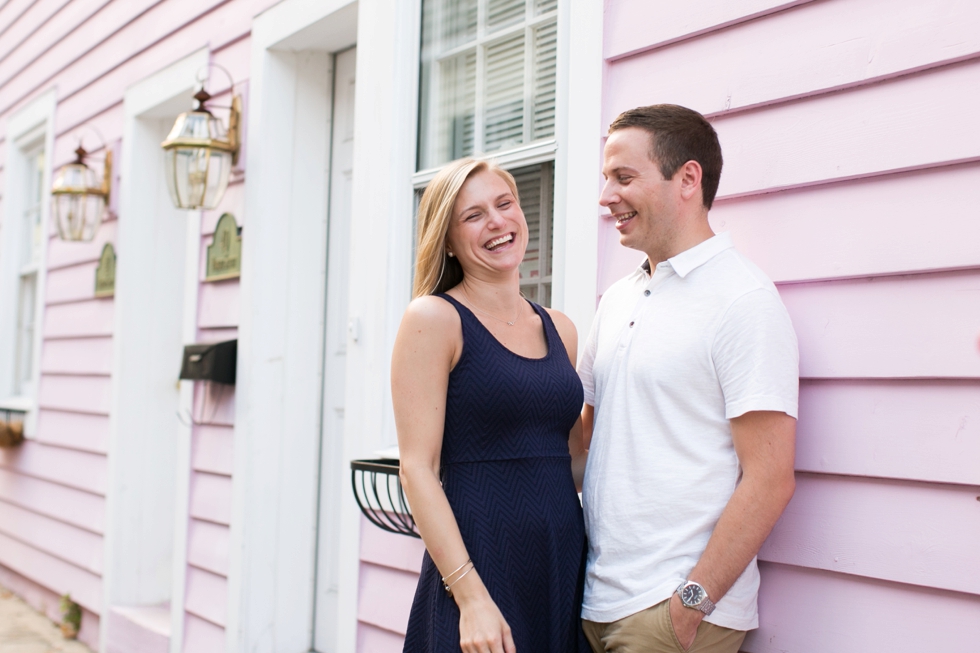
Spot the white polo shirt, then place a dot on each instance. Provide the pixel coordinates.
(669, 360)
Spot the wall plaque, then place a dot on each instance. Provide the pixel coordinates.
(105, 273)
(225, 253)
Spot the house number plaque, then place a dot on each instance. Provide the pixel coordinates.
(225, 253)
(105, 272)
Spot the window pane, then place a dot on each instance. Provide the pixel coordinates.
(534, 185)
(479, 91)
(543, 6)
(458, 105)
(31, 236)
(503, 13)
(458, 23)
(504, 94)
(545, 68)
(24, 369)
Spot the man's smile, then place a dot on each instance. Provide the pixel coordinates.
(622, 219)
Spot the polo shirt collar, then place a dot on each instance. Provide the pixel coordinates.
(692, 258)
(700, 254)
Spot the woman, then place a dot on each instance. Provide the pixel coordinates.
(485, 396)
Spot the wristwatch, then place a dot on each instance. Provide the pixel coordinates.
(693, 596)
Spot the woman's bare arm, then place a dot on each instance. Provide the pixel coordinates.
(576, 438)
(427, 346)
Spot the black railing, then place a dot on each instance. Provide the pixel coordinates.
(380, 497)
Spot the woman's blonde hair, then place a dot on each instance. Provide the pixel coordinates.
(435, 271)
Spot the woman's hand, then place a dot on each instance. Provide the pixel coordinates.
(482, 629)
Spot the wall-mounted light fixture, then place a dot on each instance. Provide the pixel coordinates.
(200, 154)
(80, 200)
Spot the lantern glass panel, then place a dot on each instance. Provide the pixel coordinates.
(78, 216)
(79, 202)
(197, 175)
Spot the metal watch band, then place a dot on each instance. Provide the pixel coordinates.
(706, 606)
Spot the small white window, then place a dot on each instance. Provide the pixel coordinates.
(31, 241)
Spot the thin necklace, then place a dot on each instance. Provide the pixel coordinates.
(507, 322)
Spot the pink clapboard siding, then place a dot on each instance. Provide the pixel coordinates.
(202, 636)
(850, 177)
(389, 574)
(52, 491)
(849, 614)
(46, 601)
(208, 539)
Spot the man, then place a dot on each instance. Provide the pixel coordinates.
(691, 377)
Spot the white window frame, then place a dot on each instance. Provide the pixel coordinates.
(29, 131)
(575, 151)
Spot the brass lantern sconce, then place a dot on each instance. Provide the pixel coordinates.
(200, 154)
(80, 200)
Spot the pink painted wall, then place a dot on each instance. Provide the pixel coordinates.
(851, 176)
(53, 489)
(389, 574)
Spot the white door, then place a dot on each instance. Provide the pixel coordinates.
(335, 352)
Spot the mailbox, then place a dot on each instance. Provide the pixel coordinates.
(210, 362)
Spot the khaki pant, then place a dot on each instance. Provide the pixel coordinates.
(650, 631)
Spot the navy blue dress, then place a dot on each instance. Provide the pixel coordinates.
(507, 474)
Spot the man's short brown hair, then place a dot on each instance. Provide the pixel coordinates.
(678, 135)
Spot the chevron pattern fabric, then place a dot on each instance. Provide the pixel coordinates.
(507, 474)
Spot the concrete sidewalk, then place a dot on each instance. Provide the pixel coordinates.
(22, 630)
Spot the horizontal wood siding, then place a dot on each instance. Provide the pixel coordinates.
(208, 538)
(852, 177)
(202, 636)
(52, 490)
(389, 574)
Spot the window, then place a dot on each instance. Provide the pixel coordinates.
(487, 85)
(488, 77)
(536, 190)
(31, 241)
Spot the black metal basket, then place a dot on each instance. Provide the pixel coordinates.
(379, 495)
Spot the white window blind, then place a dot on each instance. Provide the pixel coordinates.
(536, 189)
(488, 76)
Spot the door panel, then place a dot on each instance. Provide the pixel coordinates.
(335, 352)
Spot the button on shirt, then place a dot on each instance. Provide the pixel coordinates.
(671, 357)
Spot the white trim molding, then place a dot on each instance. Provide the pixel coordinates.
(577, 165)
(278, 396)
(30, 125)
(155, 315)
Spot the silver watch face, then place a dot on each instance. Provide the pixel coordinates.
(692, 594)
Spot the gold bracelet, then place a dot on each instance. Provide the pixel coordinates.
(449, 587)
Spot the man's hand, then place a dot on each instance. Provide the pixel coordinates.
(685, 621)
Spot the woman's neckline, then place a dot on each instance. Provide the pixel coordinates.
(534, 307)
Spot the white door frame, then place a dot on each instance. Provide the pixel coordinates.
(281, 329)
(149, 445)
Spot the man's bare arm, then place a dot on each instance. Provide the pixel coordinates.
(765, 443)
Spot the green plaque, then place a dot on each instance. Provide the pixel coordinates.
(225, 253)
(105, 273)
